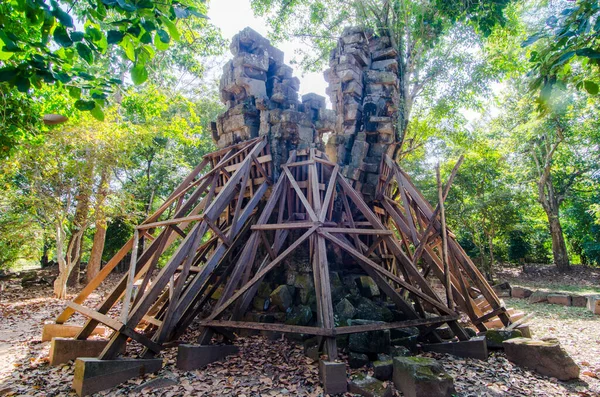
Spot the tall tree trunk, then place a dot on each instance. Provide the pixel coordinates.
(95, 262)
(559, 247)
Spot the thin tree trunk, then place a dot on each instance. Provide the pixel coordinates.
(95, 262)
(80, 221)
(491, 248)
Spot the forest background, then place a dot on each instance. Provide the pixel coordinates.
(105, 106)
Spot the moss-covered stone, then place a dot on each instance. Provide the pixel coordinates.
(345, 310)
(422, 377)
(495, 337)
(357, 360)
(382, 370)
(366, 385)
(281, 297)
(367, 286)
(369, 310)
(369, 342)
(299, 315)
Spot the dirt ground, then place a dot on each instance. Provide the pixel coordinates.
(267, 367)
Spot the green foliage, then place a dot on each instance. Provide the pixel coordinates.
(565, 51)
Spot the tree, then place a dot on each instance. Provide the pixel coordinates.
(429, 36)
(564, 51)
(92, 49)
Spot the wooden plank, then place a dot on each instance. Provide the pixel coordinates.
(101, 318)
(394, 325)
(130, 277)
(174, 221)
(294, 329)
(444, 234)
(288, 225)
(300, 195)
(376, 232)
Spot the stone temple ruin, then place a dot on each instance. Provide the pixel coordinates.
(300, 223)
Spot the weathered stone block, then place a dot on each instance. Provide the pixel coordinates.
(593, 304)
(383, 370)
(578, 301)
(520, 292)
(369, 342)
(367, 386)
(281, 297)
(191, 357)
(525, 330)
(357, 360)
(546, 357)
(422, 377)
(345, 310)
(93, 375)
(473, 348)
(367, 286)
(559, 299)
(390, 65)
(538, 297)
(299, 315)
(333, 377)
(386, 53)
(496, 337)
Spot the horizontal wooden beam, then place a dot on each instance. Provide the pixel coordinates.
(285, 328)
(289, 225)
(352, 329)
(356, 231)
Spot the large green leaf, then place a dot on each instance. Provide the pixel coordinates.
(590, 87)
(164, 36)
(128, 47)
(85, 52)
(115, 36)
(85, 105)
(159, 44)
(139, 74)
(171, 27)
(61, 15)
(62, 37)
(97, 113)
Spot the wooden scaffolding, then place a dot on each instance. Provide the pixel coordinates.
(232, 225)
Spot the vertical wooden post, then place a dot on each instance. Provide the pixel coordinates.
(444, 234)
(130, 277)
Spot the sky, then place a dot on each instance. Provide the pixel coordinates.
(234, 15)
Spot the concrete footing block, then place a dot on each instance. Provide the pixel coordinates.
(333, 377)
(66, 331)
(93, 375)
(191, 357)
(63, 350)
(473, 348)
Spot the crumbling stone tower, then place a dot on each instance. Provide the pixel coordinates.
(363, 87)
(261, 95)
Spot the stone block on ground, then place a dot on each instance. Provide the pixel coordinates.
(503, 290)
(545, 357)
(368, 386)
(383, 369)
(345, 310)
(66, 331)
(369, 342)
(406, 337)
(191, 357)
(525, 330)
(578, 301)
(593, 304)
(399, 351)
(538, 297)
(472, 348)
(333, 377)
(495, 337)
(521, 292)
(63, 350)
(357, 360)
(422, 377)
(559, 299)
(93, 375)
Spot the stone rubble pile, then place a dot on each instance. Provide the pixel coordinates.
(261, 96)
(363, 88)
